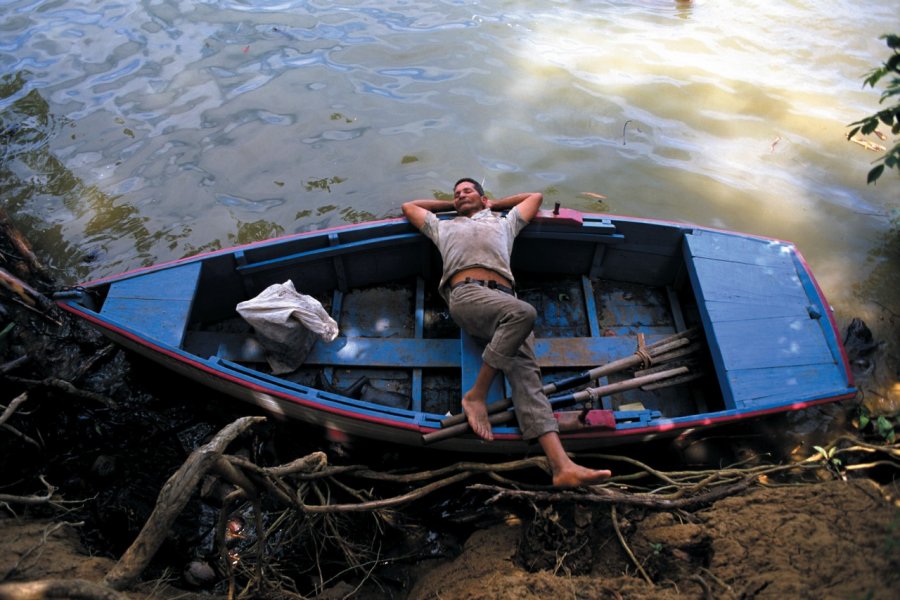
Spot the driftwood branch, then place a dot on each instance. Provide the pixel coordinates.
(45, 498)
(606, 496)
(20, 243)
(10, 410)
(14, 364)
(30, 296)
(171, 501)
(67, 387)
(614, 518)
(27, 439)
(387, 502)
(47, 589)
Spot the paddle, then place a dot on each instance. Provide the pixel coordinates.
(560, 401)
(655, 353)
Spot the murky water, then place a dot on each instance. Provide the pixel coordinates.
(137, 132)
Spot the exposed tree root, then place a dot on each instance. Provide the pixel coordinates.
(295, 486)
(64, 386)
(73, 589)
(172, 499)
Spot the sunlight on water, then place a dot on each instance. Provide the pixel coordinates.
(135, 133)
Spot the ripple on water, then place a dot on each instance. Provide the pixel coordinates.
(247, 204)
(26, 122)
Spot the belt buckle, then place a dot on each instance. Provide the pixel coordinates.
(492, 284)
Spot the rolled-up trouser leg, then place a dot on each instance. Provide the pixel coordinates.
(504, 323)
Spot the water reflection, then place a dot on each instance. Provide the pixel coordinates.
(258, 230)
(185, 126)
(31, 176)
(323, 184)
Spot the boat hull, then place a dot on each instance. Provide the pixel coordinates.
(594, 308)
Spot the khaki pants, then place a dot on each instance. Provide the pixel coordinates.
(504, 324)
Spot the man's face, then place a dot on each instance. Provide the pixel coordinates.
(467, 200)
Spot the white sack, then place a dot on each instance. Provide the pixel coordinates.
(287, 324)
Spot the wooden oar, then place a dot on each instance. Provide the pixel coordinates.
(652, 353)
(616, 388)
(575, 397)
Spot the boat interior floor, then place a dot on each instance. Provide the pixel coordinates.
(399, 348)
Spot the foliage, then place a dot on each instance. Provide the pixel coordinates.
(882, 425)
(889, 116)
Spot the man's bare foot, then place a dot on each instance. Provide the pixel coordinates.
(476, 415)
(576, 476)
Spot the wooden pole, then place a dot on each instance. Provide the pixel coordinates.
(588, 394)
(657, 352)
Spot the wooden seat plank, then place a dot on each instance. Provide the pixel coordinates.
(156, 305)
(412, 352)
(758, 388)
(762, 325)
(777, 342)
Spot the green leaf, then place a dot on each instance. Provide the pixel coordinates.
(889, 115)
(864, 419)
(885, 427)
(874, 174)
(893, 62)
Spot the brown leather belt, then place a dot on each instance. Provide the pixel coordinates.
(484, 283)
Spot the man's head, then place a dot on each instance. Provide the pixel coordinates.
(468, 197)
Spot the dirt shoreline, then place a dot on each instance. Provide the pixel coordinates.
(833, 539)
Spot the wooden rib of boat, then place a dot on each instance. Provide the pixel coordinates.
(606, 288)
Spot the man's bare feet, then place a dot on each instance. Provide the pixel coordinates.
(567, 473)
(577, 476)
(476, 415)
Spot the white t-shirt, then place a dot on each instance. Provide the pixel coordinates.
(483, 240)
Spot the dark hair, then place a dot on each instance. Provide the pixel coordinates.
(474, 183)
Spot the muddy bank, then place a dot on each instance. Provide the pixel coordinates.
(829, 540)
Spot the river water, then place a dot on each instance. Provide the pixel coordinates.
(138, 132)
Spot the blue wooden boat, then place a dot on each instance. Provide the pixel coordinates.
(604, 287)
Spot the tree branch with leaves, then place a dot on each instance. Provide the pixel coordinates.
(889, 116)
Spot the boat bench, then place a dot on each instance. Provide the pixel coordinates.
(761, 315)
(575, 353)
(156, 305)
